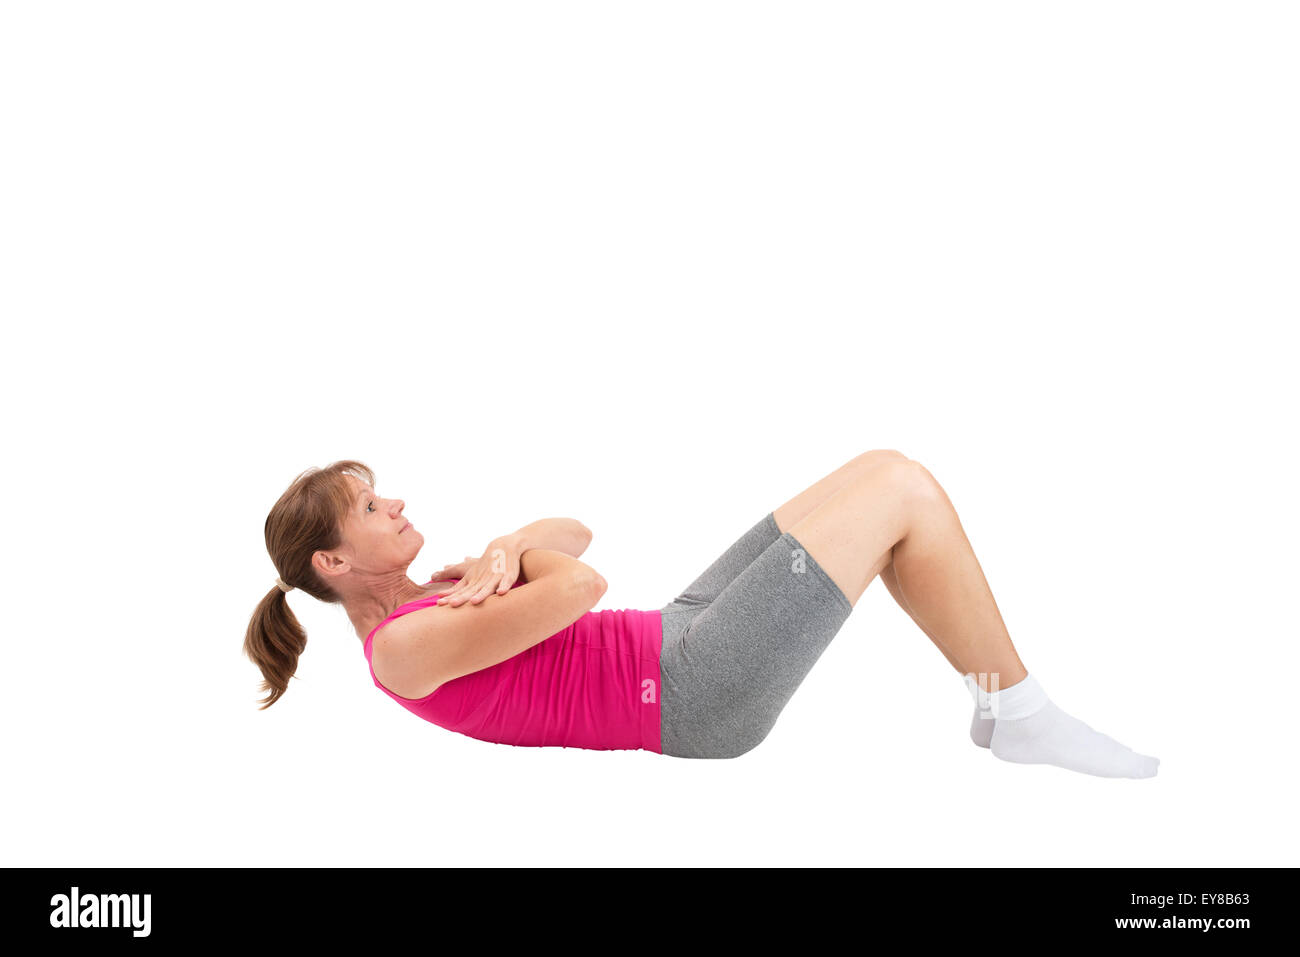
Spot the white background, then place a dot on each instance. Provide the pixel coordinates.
(657, 267)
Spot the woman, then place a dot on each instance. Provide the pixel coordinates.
(506, 648)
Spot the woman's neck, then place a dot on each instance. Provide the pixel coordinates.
(368, 611)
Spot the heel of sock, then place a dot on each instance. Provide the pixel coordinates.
(981, 728)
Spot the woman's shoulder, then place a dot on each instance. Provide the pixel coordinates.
(395, 652)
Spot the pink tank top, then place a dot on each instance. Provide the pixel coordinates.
(593, 685)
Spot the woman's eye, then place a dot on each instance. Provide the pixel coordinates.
(368, 505)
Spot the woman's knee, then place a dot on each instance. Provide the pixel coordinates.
(923, 485)
(907, 476)
(869, 460)
(898, 469)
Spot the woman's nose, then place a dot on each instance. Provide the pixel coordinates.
(398, 505)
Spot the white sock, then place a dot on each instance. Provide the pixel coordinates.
(982, 722)
(1028, 728)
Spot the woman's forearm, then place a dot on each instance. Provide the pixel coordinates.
(538, 562)
(567, 535)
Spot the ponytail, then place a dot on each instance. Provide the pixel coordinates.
(274, 641)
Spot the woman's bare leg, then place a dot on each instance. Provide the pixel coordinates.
(896, 514)
(891, 582)
(815, 495)
(894, 517)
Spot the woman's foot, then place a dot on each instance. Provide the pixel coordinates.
(1022, 725)
(1050, 736)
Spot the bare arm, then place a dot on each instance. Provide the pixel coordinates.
(430, 647)
(567, 535)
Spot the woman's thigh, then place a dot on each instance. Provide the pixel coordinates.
(795, 510)
(731, 667)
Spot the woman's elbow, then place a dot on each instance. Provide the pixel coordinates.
(581, 537)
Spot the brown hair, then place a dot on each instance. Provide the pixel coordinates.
(307, 518)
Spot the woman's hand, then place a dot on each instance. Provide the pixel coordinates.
(492, 573)
(448, 572)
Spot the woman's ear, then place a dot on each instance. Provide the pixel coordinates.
(330, 564)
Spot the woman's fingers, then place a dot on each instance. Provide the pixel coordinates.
(474, 592)
(463, 592)
(448, 572)
(484, 590)
(481, 587)
(452, 597)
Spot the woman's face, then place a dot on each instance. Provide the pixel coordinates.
(376, 534)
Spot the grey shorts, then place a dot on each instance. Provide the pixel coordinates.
(740, 639)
